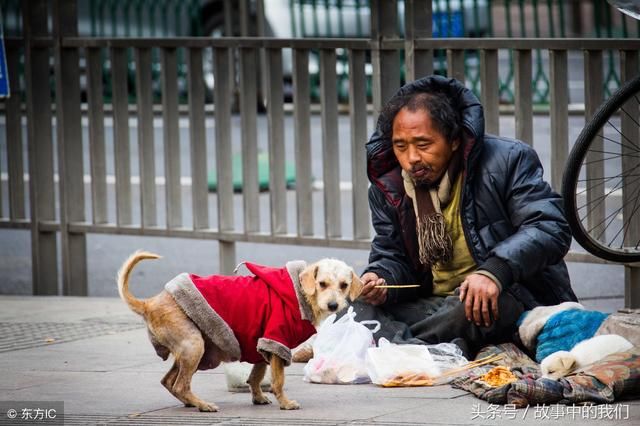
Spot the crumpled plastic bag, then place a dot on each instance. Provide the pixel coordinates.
(339, 351)
(447, 356)
(412, 365)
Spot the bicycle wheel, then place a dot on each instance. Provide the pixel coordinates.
(601, 183)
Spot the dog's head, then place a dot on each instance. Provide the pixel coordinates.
(327, 284)
(557, 365)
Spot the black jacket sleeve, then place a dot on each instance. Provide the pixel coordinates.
(542, 234)
(388, 258)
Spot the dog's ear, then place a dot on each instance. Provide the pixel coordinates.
(568, 361)
(308, 279)
(356, 287)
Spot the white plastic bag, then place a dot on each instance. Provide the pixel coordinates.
(339, 351)
(237, 374)
(411, 365)
(390, 362)
(447, 356)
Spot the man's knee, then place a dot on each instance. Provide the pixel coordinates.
(447, 322)
(509, 308)
(455, 309)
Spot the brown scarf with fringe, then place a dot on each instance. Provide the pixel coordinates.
(434, 243)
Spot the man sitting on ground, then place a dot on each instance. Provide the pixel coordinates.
(465, 215)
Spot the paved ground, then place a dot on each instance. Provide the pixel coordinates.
(93, 354)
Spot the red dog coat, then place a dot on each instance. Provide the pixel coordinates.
(248, 317)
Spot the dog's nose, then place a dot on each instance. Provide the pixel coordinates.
(332, 306)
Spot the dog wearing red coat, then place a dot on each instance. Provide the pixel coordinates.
(258, 318)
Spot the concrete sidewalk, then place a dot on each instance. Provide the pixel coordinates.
(93, 354)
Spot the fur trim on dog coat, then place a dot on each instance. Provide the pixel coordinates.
(248, 317)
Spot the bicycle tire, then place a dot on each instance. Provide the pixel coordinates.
(572, 174)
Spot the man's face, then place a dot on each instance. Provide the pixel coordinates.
(421, 150)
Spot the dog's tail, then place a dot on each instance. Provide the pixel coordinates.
(124, 273)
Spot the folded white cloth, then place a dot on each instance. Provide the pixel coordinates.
(535, 320)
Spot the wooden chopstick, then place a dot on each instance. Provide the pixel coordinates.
(398, 286)
(488, 357)
(444, 377)
(473, 364)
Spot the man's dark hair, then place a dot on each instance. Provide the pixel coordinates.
(444, 116)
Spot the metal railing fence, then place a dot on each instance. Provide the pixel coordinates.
(61, 202)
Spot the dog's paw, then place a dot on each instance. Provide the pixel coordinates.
(302, 353)
(290, 405)
(261, 400)
(208, 408)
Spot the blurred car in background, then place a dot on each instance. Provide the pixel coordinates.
(344, 18)
(283, 19)
(338, 18)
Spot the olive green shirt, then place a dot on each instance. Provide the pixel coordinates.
(447, 277)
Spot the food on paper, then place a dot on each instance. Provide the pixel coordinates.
(498, 376)
(409, 379)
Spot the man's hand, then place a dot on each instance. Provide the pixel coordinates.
(480, 296)
(370, 294)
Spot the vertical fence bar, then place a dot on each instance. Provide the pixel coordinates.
(249, 136)
(260, 21)
(199, 191)
(358, 115)
(13, 125)
(386, 63)
(418, 24)
(121, 135)
(244, 18)
(229, 32)
(146, 154)
(409, 42)
(262, 53)
(559, 111)
(376, 91)
(631, 285)
(631, 185)
(330, 144)
(171, 137)
(97, 153)
(455, 64)
(275, 119)
(302, 131)
(490, 90)
(41, 187)
(228, 18)
(593, 74)
(227, 257)
(524, 96)
(70, 152)
(224, 172)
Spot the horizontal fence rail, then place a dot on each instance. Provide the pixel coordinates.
(149, 198)
(468, 61)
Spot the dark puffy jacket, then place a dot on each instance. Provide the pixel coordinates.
(513, 221)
